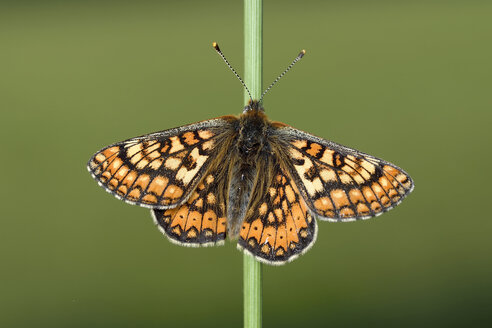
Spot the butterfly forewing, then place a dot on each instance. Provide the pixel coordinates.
(158, 170)
(278, 227)
(340, 183)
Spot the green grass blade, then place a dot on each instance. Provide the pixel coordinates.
(253, 77)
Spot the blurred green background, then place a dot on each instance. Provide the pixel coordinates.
(408, 81)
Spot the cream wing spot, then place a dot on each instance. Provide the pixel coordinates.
(181, 173)
(132, 150)
(161, 181)
(337, 194)
(156, 164)
(172, 163)
(142, 164)
(136, 158)
(365, 175)
(368, 167)
(385, 183)
(295, 153)
(263, 209)
(153, 155)
(358, 179)
(208, 145)
(121, 173)
(205, 134)
(211, 198)
(100, 157)
(289, 192)
(377, 189)
(328, 175)
(300, 143)
(345, 178)
(317, 185)
(328, 157)
(176, 144)
(199, 203)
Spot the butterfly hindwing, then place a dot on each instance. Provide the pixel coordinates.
(279, 227)
(340, 183)
(201, 220)
(158, 170)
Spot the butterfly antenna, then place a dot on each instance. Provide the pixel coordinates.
(216, 47)
(301, 54)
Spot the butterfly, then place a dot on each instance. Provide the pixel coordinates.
(246, 177)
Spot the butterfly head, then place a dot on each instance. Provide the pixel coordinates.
(253, 105)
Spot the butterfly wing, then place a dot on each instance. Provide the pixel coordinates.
(159, 170)
(201, 220)
(339, 183)
(277, 228)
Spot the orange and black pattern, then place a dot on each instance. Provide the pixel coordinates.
(201, 221)
(249, 178)
(159, 170)
(279, 228)
(343, 184)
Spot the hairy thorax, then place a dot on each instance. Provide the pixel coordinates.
(252, 137)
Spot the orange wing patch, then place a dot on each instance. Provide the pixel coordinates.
(279, 228)
(158, 170)
(339, 183)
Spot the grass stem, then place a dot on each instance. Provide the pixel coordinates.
(253, 77)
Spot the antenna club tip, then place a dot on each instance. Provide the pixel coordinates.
(302, 53)
(216, 46)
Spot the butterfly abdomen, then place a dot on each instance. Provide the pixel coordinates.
(240, 187)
